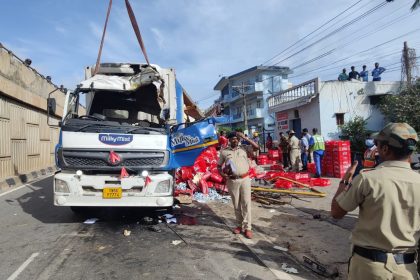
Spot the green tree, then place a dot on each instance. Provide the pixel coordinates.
(403, 107)
(355, 130)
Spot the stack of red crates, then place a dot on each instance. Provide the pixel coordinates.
(337, 158)
(327, 160)
(274, 155)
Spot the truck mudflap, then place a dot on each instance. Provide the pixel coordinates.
(188, 140)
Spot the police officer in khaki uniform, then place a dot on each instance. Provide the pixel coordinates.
(236, 166)
(385, 237)
(294, 151)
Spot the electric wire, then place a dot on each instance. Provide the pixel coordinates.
(306, 36)
(344, 26)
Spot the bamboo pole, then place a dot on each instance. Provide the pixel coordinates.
(317, 194)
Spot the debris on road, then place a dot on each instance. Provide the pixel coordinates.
(281, 248)
(170, 219)
(288, 269)
(154, 229)
(176, 242)
(91, 221)
(318, 268)
(127, 232)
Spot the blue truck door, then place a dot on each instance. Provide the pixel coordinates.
(188, 140)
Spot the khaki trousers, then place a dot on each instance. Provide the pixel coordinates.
(295, 159)
(240, 192)
(364, 269)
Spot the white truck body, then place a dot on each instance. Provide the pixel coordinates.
(129, 124)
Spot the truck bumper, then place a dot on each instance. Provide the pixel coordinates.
(87, 190)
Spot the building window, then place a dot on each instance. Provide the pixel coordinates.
(339, 117)
(259, 104)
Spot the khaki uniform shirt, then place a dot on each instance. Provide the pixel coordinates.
(239, 158)
(294, 142)
(389, 201)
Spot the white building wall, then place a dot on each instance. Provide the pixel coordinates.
(352, 99)
(309, 115)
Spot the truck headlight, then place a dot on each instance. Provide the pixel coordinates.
(61, 186)
(163, 187)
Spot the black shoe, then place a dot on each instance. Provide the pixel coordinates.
(317, 176)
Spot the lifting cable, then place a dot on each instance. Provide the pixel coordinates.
(135, 28)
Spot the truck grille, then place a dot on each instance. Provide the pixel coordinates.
(100, 159)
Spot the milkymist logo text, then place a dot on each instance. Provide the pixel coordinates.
(115, 139)
(188, 140)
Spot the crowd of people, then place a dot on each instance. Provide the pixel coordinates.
(386, 235)
(297, 151)
(363, 75)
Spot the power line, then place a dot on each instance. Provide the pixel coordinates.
(330, 27)
(300, 40)
(375, 30)
(372, 48)
(344, 26)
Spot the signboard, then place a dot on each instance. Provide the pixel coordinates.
(282, 120)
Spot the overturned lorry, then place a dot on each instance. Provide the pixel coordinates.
(125, 149)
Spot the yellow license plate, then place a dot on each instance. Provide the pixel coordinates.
(112, 192)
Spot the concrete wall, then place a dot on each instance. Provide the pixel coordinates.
(309, 115)
(26, 141)
(353, 99)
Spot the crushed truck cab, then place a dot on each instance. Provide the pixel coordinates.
(126, 148)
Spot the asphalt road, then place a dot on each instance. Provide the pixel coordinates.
(41, 241)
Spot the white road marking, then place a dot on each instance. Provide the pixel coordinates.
(23, 266)
(21, 187)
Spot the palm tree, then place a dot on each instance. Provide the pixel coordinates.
(416, 4)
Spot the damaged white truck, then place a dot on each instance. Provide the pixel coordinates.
(125, 149)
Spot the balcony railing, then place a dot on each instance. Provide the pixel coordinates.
(305, 89)
(255, 113)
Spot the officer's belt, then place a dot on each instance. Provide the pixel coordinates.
(381, 256)
(234, 177)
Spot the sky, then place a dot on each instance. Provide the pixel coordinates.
(205, 40)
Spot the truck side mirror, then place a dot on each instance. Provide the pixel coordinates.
(51, 106)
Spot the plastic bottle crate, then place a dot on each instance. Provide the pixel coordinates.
(273, 154)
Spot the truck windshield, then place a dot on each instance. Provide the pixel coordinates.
(140, 107)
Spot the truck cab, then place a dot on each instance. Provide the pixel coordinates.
(125, 149)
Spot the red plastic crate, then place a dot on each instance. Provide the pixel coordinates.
(320, 182)
(273, 154)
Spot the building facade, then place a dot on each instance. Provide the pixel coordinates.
(328, 105)
(27, 141)
(243, 96)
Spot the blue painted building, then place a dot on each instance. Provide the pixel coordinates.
(247, 91)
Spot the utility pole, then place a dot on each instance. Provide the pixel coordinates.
(241, 89)
(406, 63)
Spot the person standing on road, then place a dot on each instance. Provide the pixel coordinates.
(317, 145)
(256, 139)
(235, 171)
(223, 141)
(388, 229)
(269, 142)
(376, 73)
(371, 156)
(284, 146)
(304, 149)
(294, 151)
